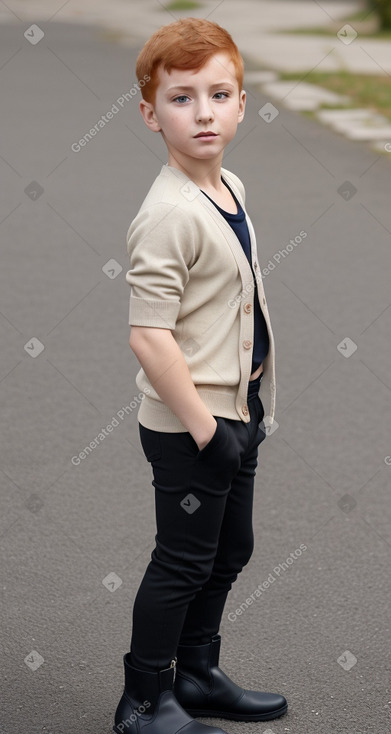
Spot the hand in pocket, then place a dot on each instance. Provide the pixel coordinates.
(220, 457)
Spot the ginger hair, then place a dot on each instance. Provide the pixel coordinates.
(188, 43)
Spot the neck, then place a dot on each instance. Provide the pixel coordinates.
(204, 173)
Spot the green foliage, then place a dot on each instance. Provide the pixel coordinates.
(183, 5)
(364, 90)
(383, 11)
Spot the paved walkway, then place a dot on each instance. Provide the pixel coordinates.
(255, 25)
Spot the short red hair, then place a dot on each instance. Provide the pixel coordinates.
(188, 43)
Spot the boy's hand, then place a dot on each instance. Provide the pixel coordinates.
(202, 438)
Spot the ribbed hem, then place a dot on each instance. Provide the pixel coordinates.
(158, 417)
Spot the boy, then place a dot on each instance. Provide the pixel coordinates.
(201, 331)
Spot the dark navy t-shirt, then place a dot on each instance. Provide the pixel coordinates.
(239, 226)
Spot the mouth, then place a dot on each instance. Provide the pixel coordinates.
(207, 134)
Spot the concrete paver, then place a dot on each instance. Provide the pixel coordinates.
(379, 131)
(358, 124)
(301, 95)
(295, 53)
(353, 114)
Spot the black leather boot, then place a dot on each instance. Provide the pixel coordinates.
(148, 705)
(203, 689)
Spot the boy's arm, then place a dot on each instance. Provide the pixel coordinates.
(166, 368)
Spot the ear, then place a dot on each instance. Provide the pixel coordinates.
(242, 105)
(149, 116)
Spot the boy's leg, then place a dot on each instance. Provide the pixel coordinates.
(191, 489)
(236, 541)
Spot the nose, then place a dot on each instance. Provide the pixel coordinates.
(204, 110)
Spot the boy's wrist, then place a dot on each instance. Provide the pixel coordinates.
(203, 434)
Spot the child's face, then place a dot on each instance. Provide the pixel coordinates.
(189, 102)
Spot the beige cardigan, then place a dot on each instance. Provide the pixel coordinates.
(188, 273)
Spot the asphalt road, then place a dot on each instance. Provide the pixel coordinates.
(76, 533)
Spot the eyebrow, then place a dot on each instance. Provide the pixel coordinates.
(188, 88)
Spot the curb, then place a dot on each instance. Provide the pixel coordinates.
(356, 124)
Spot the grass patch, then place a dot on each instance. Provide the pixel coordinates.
(183, 5)
(361, 15)
(365, 23)
(372, 92)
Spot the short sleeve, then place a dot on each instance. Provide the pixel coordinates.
(160, 243)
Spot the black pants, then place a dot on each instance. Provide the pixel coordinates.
(204, 502)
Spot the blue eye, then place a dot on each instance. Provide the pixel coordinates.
(181, 96)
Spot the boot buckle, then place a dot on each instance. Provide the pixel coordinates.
(173, 665)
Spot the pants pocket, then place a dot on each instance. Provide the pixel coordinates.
(219, 435)
(218, 462)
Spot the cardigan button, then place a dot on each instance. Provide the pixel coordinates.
(264, 301)
(247, 308)
(244, 409)
(256, 265)
(247, 344)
